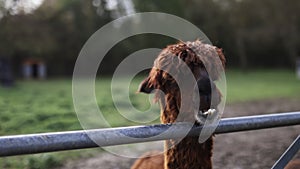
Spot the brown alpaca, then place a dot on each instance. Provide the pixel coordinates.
(294, 164)
(188, 153)
(150, 160)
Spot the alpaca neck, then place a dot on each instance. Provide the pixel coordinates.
(187, 153)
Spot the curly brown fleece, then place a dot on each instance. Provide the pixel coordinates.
(187, 153)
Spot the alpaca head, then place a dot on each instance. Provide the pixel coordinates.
(178, 70)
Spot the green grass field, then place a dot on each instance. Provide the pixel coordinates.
(47, 106)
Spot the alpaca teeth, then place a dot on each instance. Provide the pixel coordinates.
(210, 112)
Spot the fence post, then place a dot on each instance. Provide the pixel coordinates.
(288, 154)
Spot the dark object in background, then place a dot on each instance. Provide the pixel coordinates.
(6, 74)
(298, 68)
(34, 69)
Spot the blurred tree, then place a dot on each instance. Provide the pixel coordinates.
(175, 8)
(253, 33)
(285, 19)
(265, 31)
(56, 32)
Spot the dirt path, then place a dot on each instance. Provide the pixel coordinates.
(244, 150)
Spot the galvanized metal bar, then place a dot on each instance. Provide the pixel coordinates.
(288, 154)
(59, 141)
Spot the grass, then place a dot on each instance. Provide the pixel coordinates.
(46, 106)
(261, 84)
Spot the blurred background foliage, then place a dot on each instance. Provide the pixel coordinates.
(253, 33)
(257, 36)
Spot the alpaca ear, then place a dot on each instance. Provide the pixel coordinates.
(144, 86)
(221, 56)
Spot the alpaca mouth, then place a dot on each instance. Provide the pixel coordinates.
(202, 115)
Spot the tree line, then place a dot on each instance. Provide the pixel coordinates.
(252, 33)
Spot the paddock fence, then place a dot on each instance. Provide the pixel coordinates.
(71, 140)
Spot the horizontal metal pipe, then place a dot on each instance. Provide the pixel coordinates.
(58, 141)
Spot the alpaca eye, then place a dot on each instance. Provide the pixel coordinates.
(183, 55)
(201, 65)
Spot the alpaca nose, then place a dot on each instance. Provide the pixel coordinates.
(204, 86)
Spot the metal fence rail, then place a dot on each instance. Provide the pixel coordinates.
(58, 141)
